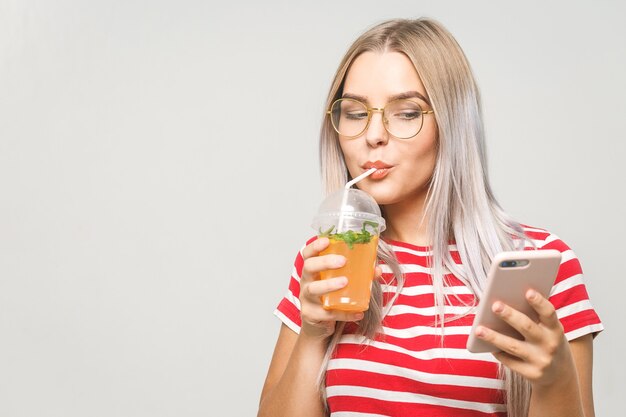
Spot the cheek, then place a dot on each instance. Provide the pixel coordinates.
(431, 146)
(425, 154)
(349, 150)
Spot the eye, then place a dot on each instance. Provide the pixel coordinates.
(355, 115)
(404, 111)
(407, 115)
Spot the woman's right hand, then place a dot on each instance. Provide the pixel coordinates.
(317, 322)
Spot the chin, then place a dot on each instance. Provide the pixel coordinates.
(382, 196)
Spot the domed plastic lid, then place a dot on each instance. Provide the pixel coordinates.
(356, 204)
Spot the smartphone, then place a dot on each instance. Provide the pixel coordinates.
(510, 276)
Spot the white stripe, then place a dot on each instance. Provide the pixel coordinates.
(570, 309)
(425, 377)
(428, 289)
(293, 300)
(567, 255)
(550, 238)
(411, 332)
(409, 397)
(592, 328)
(406, 268)
(567, 284)
(294, 274)
(542, 242)
(427, 311)
(533, 229)
(293, 326)
(412, 268)
(420, 253)
(435, 353)
(535, 245)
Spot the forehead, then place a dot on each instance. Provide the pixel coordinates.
(378, 76)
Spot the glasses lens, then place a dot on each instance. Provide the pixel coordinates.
(349, 117)
(403, 118)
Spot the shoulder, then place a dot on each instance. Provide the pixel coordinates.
(569, 293)
(542, 239)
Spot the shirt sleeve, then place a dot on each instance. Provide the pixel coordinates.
(569, 294)
(288, 310)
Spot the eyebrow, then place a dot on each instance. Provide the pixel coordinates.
(405, 95)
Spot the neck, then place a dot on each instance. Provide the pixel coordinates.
(406, 222)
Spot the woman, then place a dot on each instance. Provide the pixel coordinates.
(443, 228)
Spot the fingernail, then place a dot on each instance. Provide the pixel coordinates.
(480, 332)
(531, 294)
(340, 261)
(498, 307)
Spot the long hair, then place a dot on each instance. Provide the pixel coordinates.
(460, 203)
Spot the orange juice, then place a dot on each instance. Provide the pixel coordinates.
(359, 269)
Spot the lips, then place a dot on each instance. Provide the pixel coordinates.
(382, 169)
(377, 165)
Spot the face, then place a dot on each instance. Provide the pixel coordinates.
(405, 165)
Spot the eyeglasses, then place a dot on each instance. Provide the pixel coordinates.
(402, 118)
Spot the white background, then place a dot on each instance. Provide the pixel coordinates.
(159, 171)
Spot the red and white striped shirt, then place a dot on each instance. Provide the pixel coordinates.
(406, 370)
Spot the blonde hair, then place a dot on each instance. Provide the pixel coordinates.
(460, 203)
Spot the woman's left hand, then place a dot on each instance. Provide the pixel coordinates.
(544, 357)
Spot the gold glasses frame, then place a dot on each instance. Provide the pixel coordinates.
(371, 111)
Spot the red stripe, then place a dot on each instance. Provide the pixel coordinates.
(409, 258)
(402, 384)
(538, 234)
(425, 342)
(294, 287)
(368, 405)
(568, 269)
(557, 244)
(428, 300)
(570, 296)
(402, 321)
(580, 319)
(291, 311)
(299, 264)
(465, 367)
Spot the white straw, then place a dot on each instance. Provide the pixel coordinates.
(344, 198)
(360, 177)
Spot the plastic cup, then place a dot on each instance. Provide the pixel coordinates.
(351, 220)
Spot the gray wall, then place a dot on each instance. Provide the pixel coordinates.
(158, 172)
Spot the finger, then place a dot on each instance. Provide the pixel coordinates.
(519, 321)
(506, 344)
(319, 288)
(314, 248)
(319, 315)
(378, 272)
(348, 316)
(317, 264)
(512, 362)
(544, 308)
(526, 369)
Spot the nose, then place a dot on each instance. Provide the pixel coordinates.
(376, 134)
